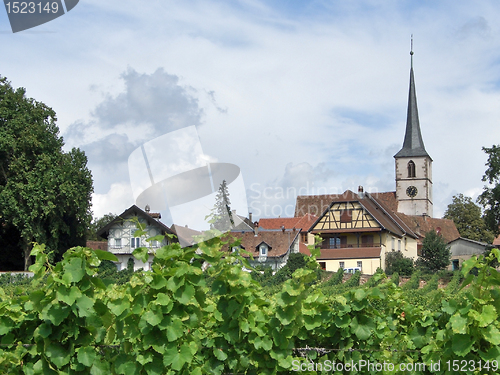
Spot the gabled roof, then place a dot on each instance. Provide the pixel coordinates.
(185, 235)
(423, 224)
(130, 212)
(413, 144)
(279, 242)
(378, 210)
(419, 225)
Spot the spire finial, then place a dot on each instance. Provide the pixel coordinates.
(411, 51)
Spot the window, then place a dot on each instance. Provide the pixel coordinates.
(341, 265)
(367, 240)
(118, 243)
(345, 216)
(263, 250)
(334, 243)
(118, 266)
(303, 237)
(399, 245)
(411, 169)
(393, 243)
(322, 265)
(235, 249)
(135, 242)
(456, 264)
(360, 264)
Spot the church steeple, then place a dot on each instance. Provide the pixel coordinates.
(413, 163)
(413, 144)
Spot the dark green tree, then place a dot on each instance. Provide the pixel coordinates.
(396, 262)
(223, 219)
(467, 217)
(45, 193)
(98, 223)
(435, 253)
(490, 198)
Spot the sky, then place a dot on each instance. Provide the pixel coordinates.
(305, 97)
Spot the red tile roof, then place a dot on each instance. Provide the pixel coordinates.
(97, 245)
(278, 241)
(419, 225)
(303, 223)
(496, 241)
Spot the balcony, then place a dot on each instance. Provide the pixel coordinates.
(122, 249)
(326, 245)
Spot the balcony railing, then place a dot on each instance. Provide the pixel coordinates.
(348, 246)
(128, 250)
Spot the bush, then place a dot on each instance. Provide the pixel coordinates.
(395, 278)
(395, 261)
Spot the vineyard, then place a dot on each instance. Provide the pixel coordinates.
(181, 319)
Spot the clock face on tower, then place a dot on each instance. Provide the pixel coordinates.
(411, 191)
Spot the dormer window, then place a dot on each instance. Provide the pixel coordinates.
(263, 250)
(411, 169)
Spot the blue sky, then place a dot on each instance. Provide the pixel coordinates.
(303, 96)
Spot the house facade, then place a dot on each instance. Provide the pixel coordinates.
(357, 231)
(122, 239)
(267, 248)
(462, 249)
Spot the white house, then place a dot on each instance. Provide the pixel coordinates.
(122, 240)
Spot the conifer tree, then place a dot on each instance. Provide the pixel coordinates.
(222, 209)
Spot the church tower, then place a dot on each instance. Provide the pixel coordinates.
(413, 163)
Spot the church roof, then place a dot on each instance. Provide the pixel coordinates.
(413, 144)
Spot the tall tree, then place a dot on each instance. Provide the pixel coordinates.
(490, 198)
(44, 192)
(222, 209)
(467, 217)
(435, 253)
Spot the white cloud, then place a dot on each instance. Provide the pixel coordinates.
(296, 86)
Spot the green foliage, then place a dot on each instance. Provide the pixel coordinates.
(395, 278)
(378, 277)
(490, 197)
(44, 192)
(467, 218)
(353, 280)
(164, 321)
(413, 283)
(336, 278)
(395, 261)
(295, 261)
(435, 253)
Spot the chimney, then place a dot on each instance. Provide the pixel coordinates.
(283, 228)
(361, 193)
(250, 216)
(147, 208)
(256, 228)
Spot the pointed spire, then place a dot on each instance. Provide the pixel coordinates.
(413, 144)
